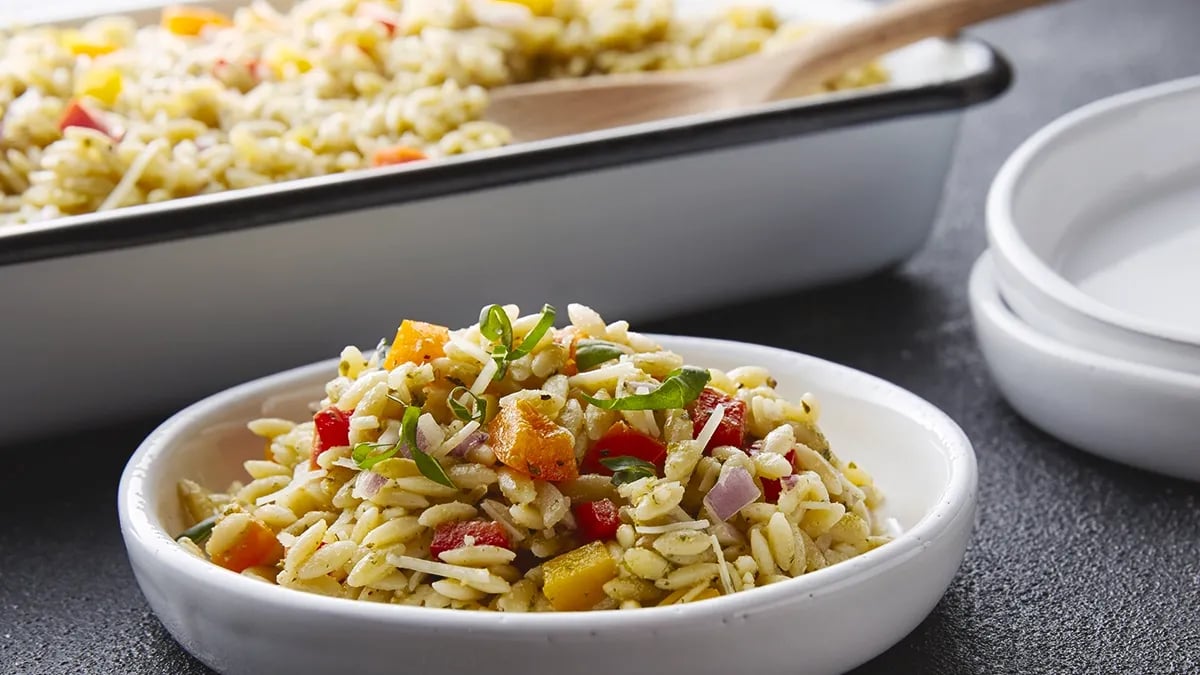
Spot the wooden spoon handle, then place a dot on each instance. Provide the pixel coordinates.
(829, 53)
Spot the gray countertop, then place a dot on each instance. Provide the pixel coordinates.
(1076, 564)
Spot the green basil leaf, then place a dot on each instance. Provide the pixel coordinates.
(500, 356)
(367, 455)
(431, 469)
(628, 469)
(627, 462)
(535, 336)
(199, 532)
(428, 466)
(476, 412)
(591, 353)
(682, 386)
(495, 326)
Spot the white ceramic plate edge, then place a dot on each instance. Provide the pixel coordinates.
(1113, 397)
(1011, 250)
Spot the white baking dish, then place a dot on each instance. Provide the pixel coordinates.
(139, 310)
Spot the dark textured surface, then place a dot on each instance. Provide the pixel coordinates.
(1077, 565)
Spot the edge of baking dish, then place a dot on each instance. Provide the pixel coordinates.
(287, 201)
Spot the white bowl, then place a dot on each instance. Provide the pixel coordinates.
(827, 621)
(1095, 227)
(1125, 411)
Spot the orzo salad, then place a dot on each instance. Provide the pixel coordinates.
(113, 113)
(515, 466)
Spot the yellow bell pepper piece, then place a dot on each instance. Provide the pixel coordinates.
(538, 7)
(82, 45)
(417, 342)
(574, 581)
(101, 83)
(532, 443)
(673, 598)
(189, 20)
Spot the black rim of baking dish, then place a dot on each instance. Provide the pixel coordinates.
(282, 203)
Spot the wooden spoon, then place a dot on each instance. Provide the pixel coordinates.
(570, 106)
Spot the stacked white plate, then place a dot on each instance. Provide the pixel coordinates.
(1087, 305)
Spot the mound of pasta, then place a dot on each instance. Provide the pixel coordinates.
(514, 466)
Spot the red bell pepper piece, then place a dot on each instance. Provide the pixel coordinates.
(333, 430)
(622, 440)
(597, 521)
(77, 115)
(449, 536)
(731, 430)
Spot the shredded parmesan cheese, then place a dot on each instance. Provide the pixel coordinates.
(471, 349)
(452, 442)
(722, 565)
(671, 527)
(463, 574)
(500, 515)
(131, 177)
(710, 427)
(485, 377)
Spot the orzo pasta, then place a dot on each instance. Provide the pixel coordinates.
(516, 467)
(112, 114)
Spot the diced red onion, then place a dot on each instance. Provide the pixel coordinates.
(470, 443)
(367, 484)
(789, 482)
(733, 491)
(755, 448)
(422, 443)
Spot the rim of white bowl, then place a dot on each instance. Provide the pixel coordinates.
(141, 529)
(985, 295)
(1008, 243)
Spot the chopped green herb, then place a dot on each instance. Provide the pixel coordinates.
(535, 336)
(367, 455)
(495, 326)
(428, 466)
(477, 411)
(199, 532)
(682, 386)
(591, 353)
(500, 356)
(627, 469)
